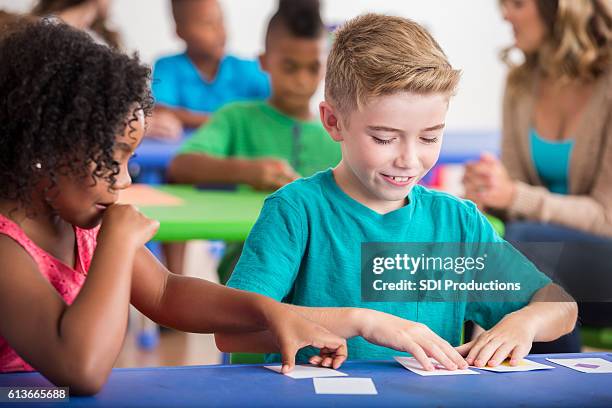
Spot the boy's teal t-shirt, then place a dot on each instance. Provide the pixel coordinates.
(305, 249)
(256, 129)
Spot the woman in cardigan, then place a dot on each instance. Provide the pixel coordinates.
(554, 181)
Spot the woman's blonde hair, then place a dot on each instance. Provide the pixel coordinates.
(43, 8)
(577, 45)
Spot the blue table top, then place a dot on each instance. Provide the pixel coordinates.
(255, 386)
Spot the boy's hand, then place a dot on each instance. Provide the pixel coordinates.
(126, 224)
(293, 332)
(511, 337)
(412, 337)
(270, 174)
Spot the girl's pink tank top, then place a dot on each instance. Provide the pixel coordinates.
(66, 280)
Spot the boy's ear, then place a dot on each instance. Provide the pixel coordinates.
(263, 62)
(331, 121)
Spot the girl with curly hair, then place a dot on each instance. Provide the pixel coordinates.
(71, 114)
(554, 180)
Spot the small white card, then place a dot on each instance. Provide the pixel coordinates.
(523, 365)
(585, 365)
(308, 371)
(346, 386)
(413, 365)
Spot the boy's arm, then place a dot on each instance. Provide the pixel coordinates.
(550, 314)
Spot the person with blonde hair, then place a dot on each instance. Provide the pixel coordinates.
(554, 180)
(88, 15)
(388, 86)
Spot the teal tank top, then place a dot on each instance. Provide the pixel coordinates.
(551, 160)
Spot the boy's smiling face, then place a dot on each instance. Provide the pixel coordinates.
(387, 146)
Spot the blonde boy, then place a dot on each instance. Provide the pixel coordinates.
(388, 86)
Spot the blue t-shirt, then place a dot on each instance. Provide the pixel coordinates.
(178, 84)
(305, 249)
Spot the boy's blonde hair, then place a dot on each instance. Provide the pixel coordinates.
(375, 55)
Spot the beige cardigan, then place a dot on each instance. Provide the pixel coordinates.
(588, 206)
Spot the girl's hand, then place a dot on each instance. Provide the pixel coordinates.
(126, 224)
(511, 337)
(293, 332)
(412, 337)
(488, 183)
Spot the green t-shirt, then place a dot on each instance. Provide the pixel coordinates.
(256, 129)
(305, 249)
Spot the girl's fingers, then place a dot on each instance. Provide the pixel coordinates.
(327, 361)
(338, 360)
(288, 351)
(315, 360)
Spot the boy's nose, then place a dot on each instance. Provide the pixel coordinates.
(408, 157)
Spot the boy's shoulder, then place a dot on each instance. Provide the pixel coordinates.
(305, 191)
(438, 199)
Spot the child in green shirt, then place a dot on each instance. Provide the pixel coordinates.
(268, 144)
(388, 87)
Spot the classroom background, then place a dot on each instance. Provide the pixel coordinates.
(472, 34)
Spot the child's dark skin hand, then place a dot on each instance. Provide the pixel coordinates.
(293, 332)
(123, 222)
(270, 174)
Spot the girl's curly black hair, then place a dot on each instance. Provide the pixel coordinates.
(63, 101)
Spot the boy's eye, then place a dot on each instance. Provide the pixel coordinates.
(429, 140)
(381, 141)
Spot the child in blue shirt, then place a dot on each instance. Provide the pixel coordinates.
(388, 86)
(189, 86)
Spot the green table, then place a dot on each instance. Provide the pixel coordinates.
(206, 214)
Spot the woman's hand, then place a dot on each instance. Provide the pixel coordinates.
(488, 183)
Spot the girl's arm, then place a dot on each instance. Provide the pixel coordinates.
(196, 305)
(76, 345)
